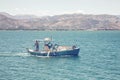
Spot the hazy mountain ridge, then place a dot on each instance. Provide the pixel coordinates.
(60, 22)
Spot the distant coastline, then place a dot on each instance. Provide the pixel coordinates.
(51, 30)
(66, 22)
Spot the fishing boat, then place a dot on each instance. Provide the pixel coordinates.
(54, 49)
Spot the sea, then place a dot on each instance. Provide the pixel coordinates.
(98, 59)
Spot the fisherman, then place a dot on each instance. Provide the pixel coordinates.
(47, 44)
(36, 45)
(73, 47)
(55, 47)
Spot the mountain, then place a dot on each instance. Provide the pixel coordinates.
(60, 22)
(6, 14)
(25, 17)
(8, 23)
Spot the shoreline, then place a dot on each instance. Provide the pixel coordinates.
(55, 30)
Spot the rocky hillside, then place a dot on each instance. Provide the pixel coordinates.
(60, 22)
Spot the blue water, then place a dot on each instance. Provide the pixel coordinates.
(99, 58)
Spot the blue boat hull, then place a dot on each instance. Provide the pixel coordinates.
(73, 52)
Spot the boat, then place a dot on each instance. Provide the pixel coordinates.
(55, 50)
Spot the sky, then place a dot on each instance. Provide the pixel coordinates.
(57, 7)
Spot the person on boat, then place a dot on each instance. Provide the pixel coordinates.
(36, 45)
(48, 46)
(55, 46)
(73, 47)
